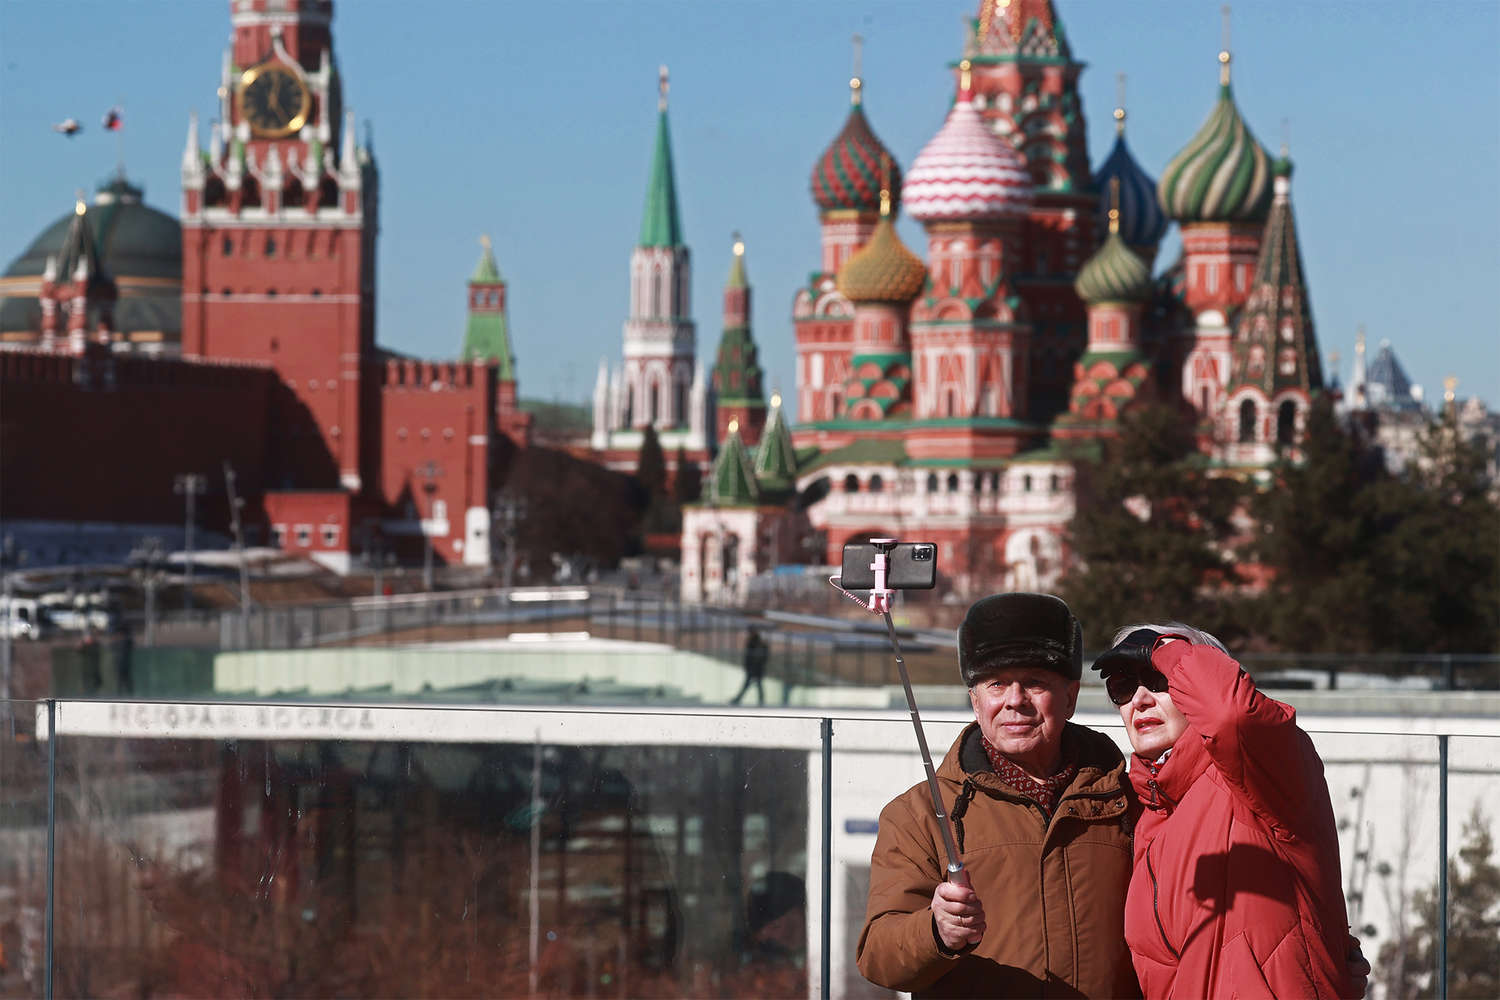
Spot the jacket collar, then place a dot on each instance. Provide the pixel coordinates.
(1100, 766)
(1163, 786)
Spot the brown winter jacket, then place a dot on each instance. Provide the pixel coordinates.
(1053, 892)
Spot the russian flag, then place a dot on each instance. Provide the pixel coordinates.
(112, 119)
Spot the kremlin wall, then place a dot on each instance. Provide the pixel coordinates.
(934, 394)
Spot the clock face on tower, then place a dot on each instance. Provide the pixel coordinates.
(273, 100)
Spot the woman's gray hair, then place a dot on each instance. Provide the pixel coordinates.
(1197, 635)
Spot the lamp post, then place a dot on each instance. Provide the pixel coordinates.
(429, 473)
(236, 506)
(188, 485)
(509, 510)
(147, 558)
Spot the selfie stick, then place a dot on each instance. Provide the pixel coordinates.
(880, 603)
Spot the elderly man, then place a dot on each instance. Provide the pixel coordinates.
(1042, 815)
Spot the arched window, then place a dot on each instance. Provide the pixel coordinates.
(952, 482)
(679, 402)
(653, 411)
(932, 482)
(1286, 422)
(1247, 421)
(629, 413)
(995, 482)
(1026, 483)
(851, 483)
(731, 560)
(876, 483)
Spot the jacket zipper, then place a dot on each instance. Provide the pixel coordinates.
(1155, 910)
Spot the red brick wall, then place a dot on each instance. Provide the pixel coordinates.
(102, 438)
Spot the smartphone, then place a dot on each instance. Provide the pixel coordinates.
(910, 566)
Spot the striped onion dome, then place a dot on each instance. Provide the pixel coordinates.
(967, 172)
(1113, 274)
(1222, 175)
(847, 175)
(883, 270)
(1142, 222)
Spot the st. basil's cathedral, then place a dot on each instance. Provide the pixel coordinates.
(938, 399)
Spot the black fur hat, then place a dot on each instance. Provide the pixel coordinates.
(1018, 630)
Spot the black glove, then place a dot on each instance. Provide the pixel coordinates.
(1130, 657)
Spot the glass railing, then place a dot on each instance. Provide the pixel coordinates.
(157, 849)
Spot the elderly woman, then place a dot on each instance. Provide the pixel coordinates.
(1236, 887)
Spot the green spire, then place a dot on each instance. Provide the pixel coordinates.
(660, 226)
(487, 335)
(737, 277)
(776, 459)
(733, 483)
(486, 272)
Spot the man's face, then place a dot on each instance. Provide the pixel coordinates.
(1021, 711)
(1152, 722)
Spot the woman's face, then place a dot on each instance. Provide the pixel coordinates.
(1152, 722)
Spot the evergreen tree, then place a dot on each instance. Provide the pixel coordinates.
(1151, 531)
(663, 515)
(1317, 530)
(1440, 563)
(1360, 560)
(687, 487)
(1405, 967)
(651, 464)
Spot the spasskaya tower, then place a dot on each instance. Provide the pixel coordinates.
(279, 220)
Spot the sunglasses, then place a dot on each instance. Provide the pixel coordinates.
(1121, 687)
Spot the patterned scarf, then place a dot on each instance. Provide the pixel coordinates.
(1045, 793)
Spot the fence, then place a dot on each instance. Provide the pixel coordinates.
(804, 650)
(237, 849)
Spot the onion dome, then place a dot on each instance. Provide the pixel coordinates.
(883, 270)
(847, 175)
(967, 172)
(1142, 222)
(1113, 274)
(1223, 174)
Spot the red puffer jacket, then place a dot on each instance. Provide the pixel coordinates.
(1236, 889)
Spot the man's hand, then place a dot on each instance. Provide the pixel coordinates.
(958, 915)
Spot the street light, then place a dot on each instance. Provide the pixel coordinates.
(429, 472)
(509, 510)
(188, 485)
(147, 559)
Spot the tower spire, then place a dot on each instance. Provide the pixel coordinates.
(660, 226)
(855, 80)
(1119, 104)
(1224, 52)
(663, 84)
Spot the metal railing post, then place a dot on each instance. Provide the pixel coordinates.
(51, 844)
(1442, 901)
(826, 875)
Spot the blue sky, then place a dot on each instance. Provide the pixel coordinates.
(533, 122)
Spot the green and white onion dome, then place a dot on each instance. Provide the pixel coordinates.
(1222, 175)
(1113, 274)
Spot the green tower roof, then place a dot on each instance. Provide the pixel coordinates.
(487, 334)
(486, 272)
(733, 483)
(660, 226)
(776, 459)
